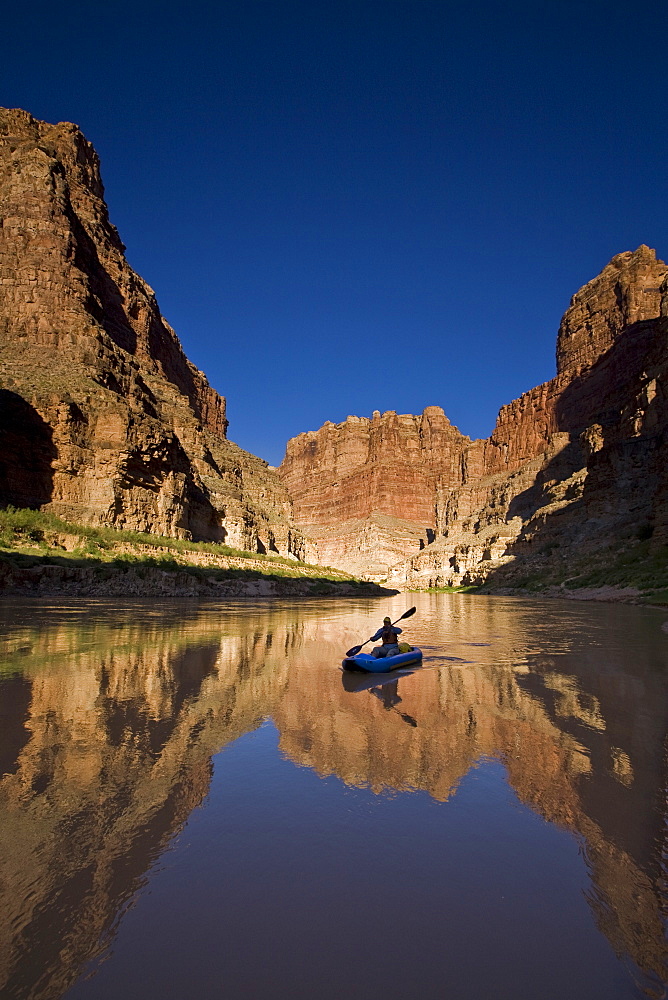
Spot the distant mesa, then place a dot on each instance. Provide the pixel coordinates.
(121, 429)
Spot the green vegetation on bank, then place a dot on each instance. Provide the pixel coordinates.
(636, 565)
(32, 537)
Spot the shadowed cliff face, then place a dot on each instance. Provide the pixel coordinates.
(109, 729)
(26, 454)
(137, 436)
(578, 459)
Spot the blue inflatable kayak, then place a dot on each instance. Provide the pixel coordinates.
(367, 664)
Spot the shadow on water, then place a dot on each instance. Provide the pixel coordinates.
(388, 695)
(110, 724)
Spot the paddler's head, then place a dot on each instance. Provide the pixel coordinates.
(387, 621)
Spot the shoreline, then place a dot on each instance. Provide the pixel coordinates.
(104, 580)
(604, 595)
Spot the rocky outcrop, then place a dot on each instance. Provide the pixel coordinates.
(575, 462)
(626, 295)
(103, 418)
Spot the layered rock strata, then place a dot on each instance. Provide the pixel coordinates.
(368, 491)
(103, 418)
(573, 462)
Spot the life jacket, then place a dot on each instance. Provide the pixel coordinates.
(388, 635)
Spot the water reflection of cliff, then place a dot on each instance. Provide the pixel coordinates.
(111, 728)
(108, 753)
(580, 733)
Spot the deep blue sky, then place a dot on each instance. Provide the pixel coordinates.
(375, 204)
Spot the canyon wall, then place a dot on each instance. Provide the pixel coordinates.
(367, 490)
(103, 418)
(575, 462)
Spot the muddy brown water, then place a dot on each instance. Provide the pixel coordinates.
(194, 804)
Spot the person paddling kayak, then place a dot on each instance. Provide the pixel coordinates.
(388, 634)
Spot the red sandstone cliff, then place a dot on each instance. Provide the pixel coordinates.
(580, 457)
(103, 417)
(367, 489)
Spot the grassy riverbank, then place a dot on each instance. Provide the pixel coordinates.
(636, 573)
(43, 553)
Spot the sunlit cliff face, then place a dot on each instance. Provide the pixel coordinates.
(114, 728)
(105, 418)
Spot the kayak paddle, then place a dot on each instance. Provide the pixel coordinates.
(404, 715)
(355, 650)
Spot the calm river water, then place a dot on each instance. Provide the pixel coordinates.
(194, 805)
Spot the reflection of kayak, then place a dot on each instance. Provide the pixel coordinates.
(367, 664)
(354, 682)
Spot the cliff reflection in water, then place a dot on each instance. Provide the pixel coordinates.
(110, 724)
(108, 752)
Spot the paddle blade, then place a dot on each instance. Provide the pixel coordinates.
(354, 651)
(407, 614)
